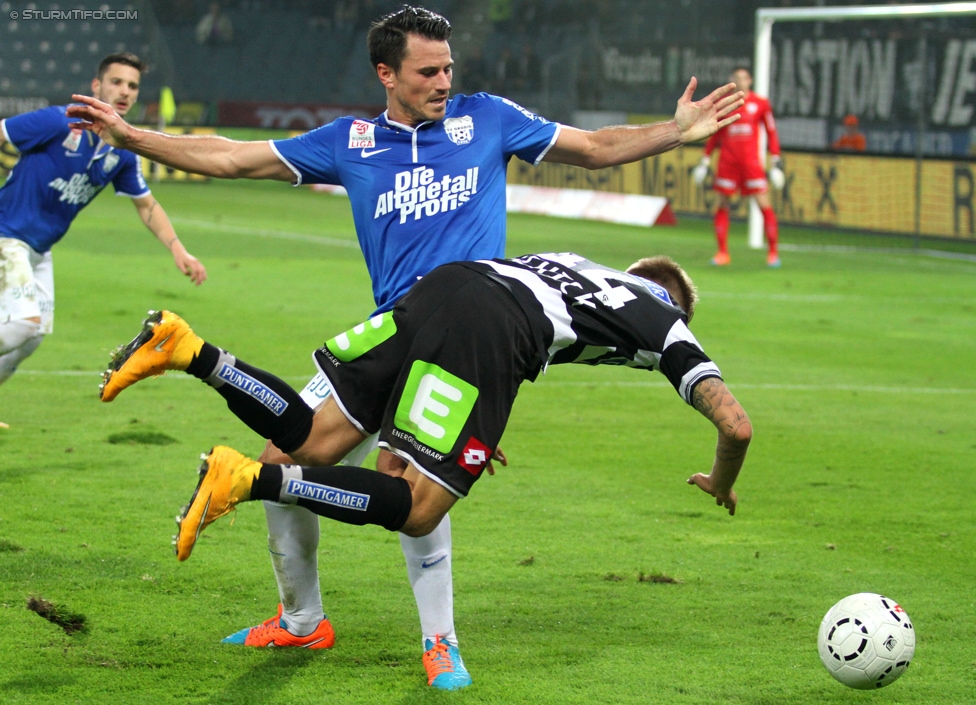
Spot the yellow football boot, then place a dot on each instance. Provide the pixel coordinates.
(166, 342)
(226, 477)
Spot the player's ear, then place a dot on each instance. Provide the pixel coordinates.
(386, 75)
(96, 86)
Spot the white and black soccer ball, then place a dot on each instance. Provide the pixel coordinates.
(866, 641)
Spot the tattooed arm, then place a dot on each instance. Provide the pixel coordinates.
(155, 218)
(715, 402)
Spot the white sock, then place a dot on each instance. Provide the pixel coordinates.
(13, 334)
(429, 568)
(293, 541)
(9, 361)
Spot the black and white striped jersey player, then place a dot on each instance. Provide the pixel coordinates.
(437, 376)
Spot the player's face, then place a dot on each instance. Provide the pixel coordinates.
(419, 90)
(119, 87)
(742, 80)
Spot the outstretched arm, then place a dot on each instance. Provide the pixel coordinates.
(155, 218)
(715, 402)
(209, 155)
(611, 146)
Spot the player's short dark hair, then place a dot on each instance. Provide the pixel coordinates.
(387, 38)
(121, 57)
(741, 67)
(666, 272)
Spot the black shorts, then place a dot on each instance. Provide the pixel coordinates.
(438, 375)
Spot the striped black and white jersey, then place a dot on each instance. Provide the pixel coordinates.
(586, 313)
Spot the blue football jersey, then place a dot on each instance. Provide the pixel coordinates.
(59, 172)
(423, 196)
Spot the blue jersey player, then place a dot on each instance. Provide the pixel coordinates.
(426, 181)
(60, 170)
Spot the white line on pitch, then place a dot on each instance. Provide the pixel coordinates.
(82, 373)
(783, 387)
(941, 254)
(279, 234)
(622, 383)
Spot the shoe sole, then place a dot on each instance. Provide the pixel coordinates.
(202, 470)
(121, 354)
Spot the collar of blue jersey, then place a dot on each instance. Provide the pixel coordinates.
(101, 143)
(385, 121)
(385, 118)
(97, 154)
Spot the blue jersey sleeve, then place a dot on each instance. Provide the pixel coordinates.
(526, 135)
(311, 156)
(34, 129)
(129, 180)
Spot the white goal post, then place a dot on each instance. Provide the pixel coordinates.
(766, 17)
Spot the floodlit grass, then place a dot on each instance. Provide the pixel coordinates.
(587, 571)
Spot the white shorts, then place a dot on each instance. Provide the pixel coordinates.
(26, 284)
(314, 394)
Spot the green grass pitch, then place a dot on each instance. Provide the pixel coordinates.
(587, 571)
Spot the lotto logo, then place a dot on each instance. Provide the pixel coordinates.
(475, 456)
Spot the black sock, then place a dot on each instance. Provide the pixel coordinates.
(267, 404)
(344, 493)
(203, 364)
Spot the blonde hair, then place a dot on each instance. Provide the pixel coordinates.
(667, 273)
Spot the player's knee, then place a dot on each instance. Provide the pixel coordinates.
(390, 463)
(273, 455)
(425, 516)
(9, 361)
(15, 334)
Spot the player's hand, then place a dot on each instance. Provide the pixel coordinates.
(191, 267)
(776, 175)
(703, 118)
(723, 498)
(699, 173)
(100, 118)
(498, 455)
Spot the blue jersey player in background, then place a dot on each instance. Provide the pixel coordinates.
(426, 182)
(59, 172)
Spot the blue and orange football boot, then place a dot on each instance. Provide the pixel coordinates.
(445, 668)
(274, 632)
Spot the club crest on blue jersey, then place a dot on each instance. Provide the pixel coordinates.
(361, 135)
(109, 162)
(460, 130)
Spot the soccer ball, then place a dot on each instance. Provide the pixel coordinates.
(866, 641)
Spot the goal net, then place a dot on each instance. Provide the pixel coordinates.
(903, 77)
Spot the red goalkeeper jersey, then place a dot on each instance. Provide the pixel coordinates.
(739, 142)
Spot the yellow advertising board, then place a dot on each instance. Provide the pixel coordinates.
(150, 170)
(829, 190)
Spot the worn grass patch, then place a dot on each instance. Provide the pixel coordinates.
(59, 615)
